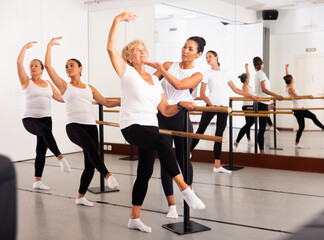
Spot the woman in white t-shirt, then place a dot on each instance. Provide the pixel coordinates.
(299, 114)
(141, 96)
(262, 89)
(37, 118)
(178, 79)
(81, 126)
(219, 82)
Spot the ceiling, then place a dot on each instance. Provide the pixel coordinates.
(259, 5)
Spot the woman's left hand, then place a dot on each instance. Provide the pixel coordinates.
(190, 106)
(158, 66)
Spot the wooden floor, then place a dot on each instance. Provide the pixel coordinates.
(252, 203)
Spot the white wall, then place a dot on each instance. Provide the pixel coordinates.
(289, 39)
(36, 20)
(102, 75)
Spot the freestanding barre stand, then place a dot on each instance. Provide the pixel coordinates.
(230, 166)
(275, 129)
(255, 128)
(103, 188)
(187, 226)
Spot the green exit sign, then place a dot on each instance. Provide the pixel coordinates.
(310, 49)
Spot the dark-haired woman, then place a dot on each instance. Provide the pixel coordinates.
(218, 81)
(141, 96)
(178, 79)
(81, 126)
(262, 89)
(299, 114)
(37, 113)
(245, 80)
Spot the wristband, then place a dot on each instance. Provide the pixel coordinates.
(180, 108)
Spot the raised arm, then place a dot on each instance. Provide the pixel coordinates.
(171, 110)
(241, 92)
(115, 58)
(187, 83)
(100, 99)
(247, 71)
(286, 67)
(59, 82)
(203, 94)
(23, 78)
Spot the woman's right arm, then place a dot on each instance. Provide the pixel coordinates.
(115, 58)
(203, 94)
(247, 71)
(286, 67)
(59, 82)
(24, 79)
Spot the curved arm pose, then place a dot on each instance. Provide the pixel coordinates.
(218, 80)
(245, 80)
(262, 89)
(141, 96)
(178, 79)
(81, 126)
(299, 114)
(37, 113)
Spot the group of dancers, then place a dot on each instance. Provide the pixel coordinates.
(148, 101)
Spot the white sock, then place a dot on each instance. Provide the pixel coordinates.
(172, 212)
(112, 182)
(137, 224)
(65, 167)
(40, 185)
(192, 200)
(221, 170)
(83, 201)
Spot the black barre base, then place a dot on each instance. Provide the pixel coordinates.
(273, 148)
(234, 168)
(97, 190)
(129, 158)
(180, 229)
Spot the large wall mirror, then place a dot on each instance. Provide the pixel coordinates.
(238, 31)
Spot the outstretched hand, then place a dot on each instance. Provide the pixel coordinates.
(287, 65)
(30, 44)
(126, 17)
(158, 66)
(53, 41)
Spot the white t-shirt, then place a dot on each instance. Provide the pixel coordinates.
(173, 95)
(217, 83)
(139, 99)
(261, 77)
(295, 103)
(251, 91)
(37, 101)
(79, 108)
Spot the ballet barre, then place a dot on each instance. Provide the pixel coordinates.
(175, 133)
(263, 112)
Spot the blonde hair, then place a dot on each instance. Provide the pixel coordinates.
(129, 48)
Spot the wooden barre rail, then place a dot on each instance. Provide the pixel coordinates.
(272, 98)
(299, 108)
(249, 114)
(264, 112)
(197, 108)
(175, 133)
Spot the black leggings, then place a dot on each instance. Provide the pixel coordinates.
(262, 126)
(244, 108)
(149, 141)
(176, 123)
(206, 117)
(42, 128)
(86, 137)
(300, 116)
